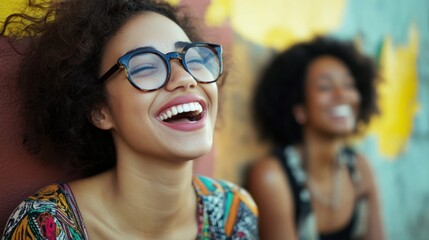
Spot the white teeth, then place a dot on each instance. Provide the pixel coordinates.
(180, 108)
(174, 110)
(169, 113)
(342, 111)
(192, 107)
(186, 108)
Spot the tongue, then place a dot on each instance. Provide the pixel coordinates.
(182, 118)
(179, 120)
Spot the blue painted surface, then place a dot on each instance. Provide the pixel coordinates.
(403, 182)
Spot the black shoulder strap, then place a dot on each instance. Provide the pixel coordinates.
(295, 187)
(351, 165)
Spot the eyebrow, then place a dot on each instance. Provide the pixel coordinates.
(180, 44)
(177, 45)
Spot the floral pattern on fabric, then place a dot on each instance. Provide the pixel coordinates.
(225, 211)
(229, 211)
(48, 214)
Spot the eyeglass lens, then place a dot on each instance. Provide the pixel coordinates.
(149, 70)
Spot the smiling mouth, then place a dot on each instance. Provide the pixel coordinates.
(342, 111)
(187, 112)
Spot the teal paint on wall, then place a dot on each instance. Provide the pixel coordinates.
(403, 182)
(403, 186)
(374, 19)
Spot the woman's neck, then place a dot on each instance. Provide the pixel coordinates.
(320, 154)
(153, 198)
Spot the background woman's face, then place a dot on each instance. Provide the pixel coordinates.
(133, 116)
(331, 98)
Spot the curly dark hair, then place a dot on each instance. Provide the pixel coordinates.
(60, 69)
(281, 86)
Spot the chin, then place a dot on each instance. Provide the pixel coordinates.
(191, 156)
(194, 151)
(342, 132)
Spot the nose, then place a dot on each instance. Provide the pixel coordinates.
(342, 93)
(179, 77)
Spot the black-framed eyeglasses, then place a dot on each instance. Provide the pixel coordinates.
(148, 69)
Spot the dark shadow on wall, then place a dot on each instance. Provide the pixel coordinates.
(21, 173)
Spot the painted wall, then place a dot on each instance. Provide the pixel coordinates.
(396, 34)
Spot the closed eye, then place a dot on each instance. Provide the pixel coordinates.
(195, 64)
(144, 71)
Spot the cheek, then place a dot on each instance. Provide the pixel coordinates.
(213, 94)
(355, 99)
(317, 101)
(127, 106)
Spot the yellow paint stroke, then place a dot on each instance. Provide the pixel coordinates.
(173, 2)
(277, 23)
(15, 6)
(9, 7)
(398, 95)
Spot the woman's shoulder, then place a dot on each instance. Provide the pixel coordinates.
(365, 170)
(230, 208)
(363, 163)
(210, 186)
(267, 174)
(51, 193)
(215, 188)
(49, 213)
(266, 165)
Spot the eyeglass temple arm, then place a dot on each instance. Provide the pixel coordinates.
(109, 73)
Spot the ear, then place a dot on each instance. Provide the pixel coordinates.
(300, 114)
(101, 118)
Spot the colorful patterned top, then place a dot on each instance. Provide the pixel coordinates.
(225, 211)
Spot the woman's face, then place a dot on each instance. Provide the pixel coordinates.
(331, 98)
(134, 117)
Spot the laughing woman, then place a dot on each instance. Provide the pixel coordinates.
(309, 101)
(125, 89)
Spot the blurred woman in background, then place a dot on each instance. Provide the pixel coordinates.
(310, 99)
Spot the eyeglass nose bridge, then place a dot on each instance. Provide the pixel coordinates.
(179, 56)
(174, 55)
